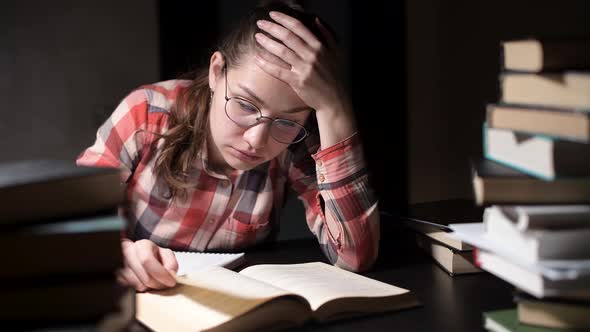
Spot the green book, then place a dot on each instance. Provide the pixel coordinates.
(507, 321)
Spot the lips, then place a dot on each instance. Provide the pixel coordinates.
(245, 156)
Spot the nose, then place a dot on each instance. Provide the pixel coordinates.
(257, 136)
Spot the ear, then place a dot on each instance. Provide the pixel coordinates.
(215, 69)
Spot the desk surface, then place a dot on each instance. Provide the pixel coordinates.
(448, 303)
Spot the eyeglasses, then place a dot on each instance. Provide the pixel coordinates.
(245, 114)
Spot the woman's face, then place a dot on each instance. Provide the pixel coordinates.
(236, 147)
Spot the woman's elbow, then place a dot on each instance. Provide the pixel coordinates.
(362, 261)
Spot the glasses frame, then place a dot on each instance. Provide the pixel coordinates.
(261, 117)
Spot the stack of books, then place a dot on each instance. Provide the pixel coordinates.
(60, 247)
(430, 220)
(536, 140)
(535, 179)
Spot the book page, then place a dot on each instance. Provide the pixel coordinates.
(319, 282)
(189, 262)
(205, 299)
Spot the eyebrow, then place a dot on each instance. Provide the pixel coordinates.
(258, 100)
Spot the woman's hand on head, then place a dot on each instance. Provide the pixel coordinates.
(314, 70)
(147, 265)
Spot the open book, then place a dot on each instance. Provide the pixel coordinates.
(265, 297)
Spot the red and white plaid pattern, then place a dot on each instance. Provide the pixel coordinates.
(232, 213)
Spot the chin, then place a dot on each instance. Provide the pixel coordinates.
(237, 161)
(241, 165)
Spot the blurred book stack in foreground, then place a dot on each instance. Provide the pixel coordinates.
(535, 182)
(60, 247)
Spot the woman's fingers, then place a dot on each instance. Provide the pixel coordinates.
(278, 49)
(132, 260)
(127, 277)
(144, 260)
(297, 28)
(169, 260)
(267, 56)
(274, 70)
(147, 265)
(314, 67)
(293, 42)
(121, 278)
(149, 257)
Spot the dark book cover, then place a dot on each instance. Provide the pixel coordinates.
(484, 168)
(60, 301)
(39, 191)
(74, 247)
(442, 213)
(494, 183)
(27, 172)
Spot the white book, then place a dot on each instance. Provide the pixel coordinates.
(189, 262)
(548, 216)
(537, 155)
(533, 245)
(474, 234)
(530, 280)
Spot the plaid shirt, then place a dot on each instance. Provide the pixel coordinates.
(228, 213)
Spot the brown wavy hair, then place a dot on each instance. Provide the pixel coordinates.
(188, 119)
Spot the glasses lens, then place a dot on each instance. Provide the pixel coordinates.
(287, 132)
(245, 114)
(241, 112)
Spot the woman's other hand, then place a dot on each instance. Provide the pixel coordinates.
(147, 266)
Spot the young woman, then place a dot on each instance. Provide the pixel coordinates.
(206, 161)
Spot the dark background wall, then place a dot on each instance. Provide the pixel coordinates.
(65, 65)
(420, 73)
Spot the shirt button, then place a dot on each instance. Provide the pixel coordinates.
(321, 178)
(319, 163)
(211, 221)
(224, 183)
